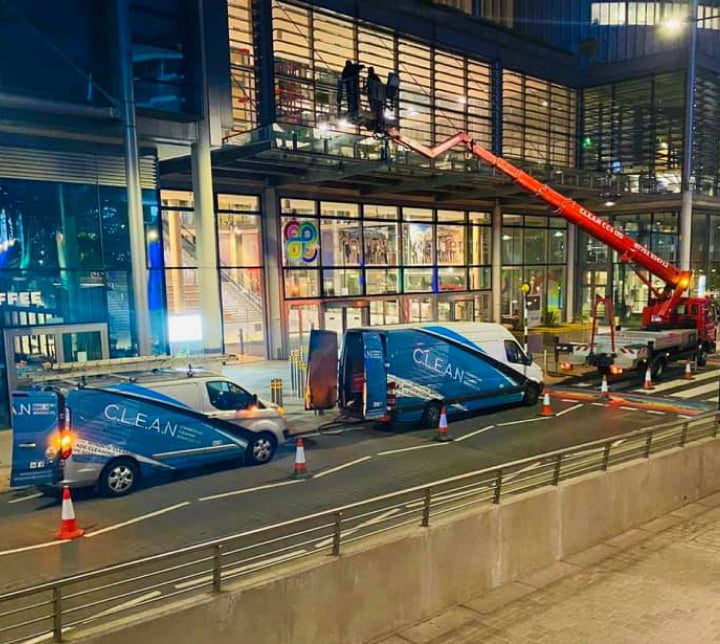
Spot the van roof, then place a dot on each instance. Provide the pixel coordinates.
(144, 377)
(474, 331)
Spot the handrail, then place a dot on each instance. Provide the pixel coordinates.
(332, 527)
(343, 508)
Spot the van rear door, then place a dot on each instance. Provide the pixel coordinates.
(321, 385)
(35, 426)
(375, 398)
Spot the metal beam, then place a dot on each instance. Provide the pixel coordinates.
(417, 183)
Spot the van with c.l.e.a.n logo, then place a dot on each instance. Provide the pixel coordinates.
(110, 432)
(408, 373)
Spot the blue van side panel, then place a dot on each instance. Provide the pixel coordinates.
(158, 435)
(427, 366)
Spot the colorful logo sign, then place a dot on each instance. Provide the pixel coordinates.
(301, 242)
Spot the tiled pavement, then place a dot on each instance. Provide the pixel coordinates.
(657, 583)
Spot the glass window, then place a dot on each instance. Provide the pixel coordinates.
(450, 245)
(239, 240)
(242, 65)
(480, 218)
(480, 244)
(298, 207)
(417, 280)
(381, 244)
(300, 242)
(179, 247)
(417, 244)
(417, 214)
(557, 246)
(512, 245)
(452, 279)
(479, 278)
(301, 283)
(341, 242)
(242, 203)
(330, 209)
(227, 395)
(534, 247)
(514, 353)
(380, 212)
(341, 283)
(379, 281)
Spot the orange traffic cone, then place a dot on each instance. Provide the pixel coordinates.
(300, 471)
(604, 392)
(648, 384)
(68, 527)
(546, 409)
(442, 434)
(688, 371)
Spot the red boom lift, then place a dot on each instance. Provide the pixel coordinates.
(669, 309)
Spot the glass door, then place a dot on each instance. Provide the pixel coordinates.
(302, 318)
(340, 317)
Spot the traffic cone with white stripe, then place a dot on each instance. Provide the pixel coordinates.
(68, 527)
(546, 409)
(442, 434)
(648, 384)
(688, 371)
(604, 392)
(300, 470)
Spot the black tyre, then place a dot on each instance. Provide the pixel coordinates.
(119, 477)
(701, 357)
(431, 415)
(532, 393)
(658, 368)
(261, 449)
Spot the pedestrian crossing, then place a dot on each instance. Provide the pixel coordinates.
(699, 388)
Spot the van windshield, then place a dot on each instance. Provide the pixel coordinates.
(226, 395)
(515, 354)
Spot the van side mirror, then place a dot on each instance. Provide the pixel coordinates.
(254, 399)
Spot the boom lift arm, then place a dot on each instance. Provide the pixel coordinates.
(629, 250)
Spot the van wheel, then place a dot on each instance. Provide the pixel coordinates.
(532, 393)
(431, 415)
(119, 477)
(260, 449)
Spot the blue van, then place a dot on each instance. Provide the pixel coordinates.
(408, 373)
(118, 434)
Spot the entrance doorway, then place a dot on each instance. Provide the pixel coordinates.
(340, 317)
(456, 310)
(302, 318)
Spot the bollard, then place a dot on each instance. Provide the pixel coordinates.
(303, 372)
(276, 393)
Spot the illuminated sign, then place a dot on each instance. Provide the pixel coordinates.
(301, 242)
(21, 298)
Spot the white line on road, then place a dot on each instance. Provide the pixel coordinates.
(475, 433)
(232, 571)
(142, 517)
(25, 498)
(628, 408)
(248, 490)
(711, 399)
(47, 544)
(570, 400)
(527, 420)
(341, 467)
(672, 384)
(684, 416)
(129, 604)
(598, 404)
(657, 413)
(697, 391)
(568, 410)
(409, 449)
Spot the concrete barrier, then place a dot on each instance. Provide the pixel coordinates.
(381, 584)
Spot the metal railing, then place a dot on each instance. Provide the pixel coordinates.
(54, 608)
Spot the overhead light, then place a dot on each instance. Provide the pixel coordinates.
(672, 25)
(609, 203)
(343, 124)
(389, 115)
(323, 127)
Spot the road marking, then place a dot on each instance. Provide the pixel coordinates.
(226, 573)
(47, 544)
(142, 517)
(475, 433)
(696, 391)
(672, 384)
(346, 533)
(25, 498)
(129, 604)
(341, 467)
(652, 411)
(598, 404)
(570, 400)
(711, 399)
(409, 449)
(683, 416)
(568, 410)
(248, 490)
(584, 384)
(527, 420)
(628, 408)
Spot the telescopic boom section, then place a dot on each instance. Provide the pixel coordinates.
(628, 249)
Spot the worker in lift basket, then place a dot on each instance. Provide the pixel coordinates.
(375, 91)
(350, 86)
